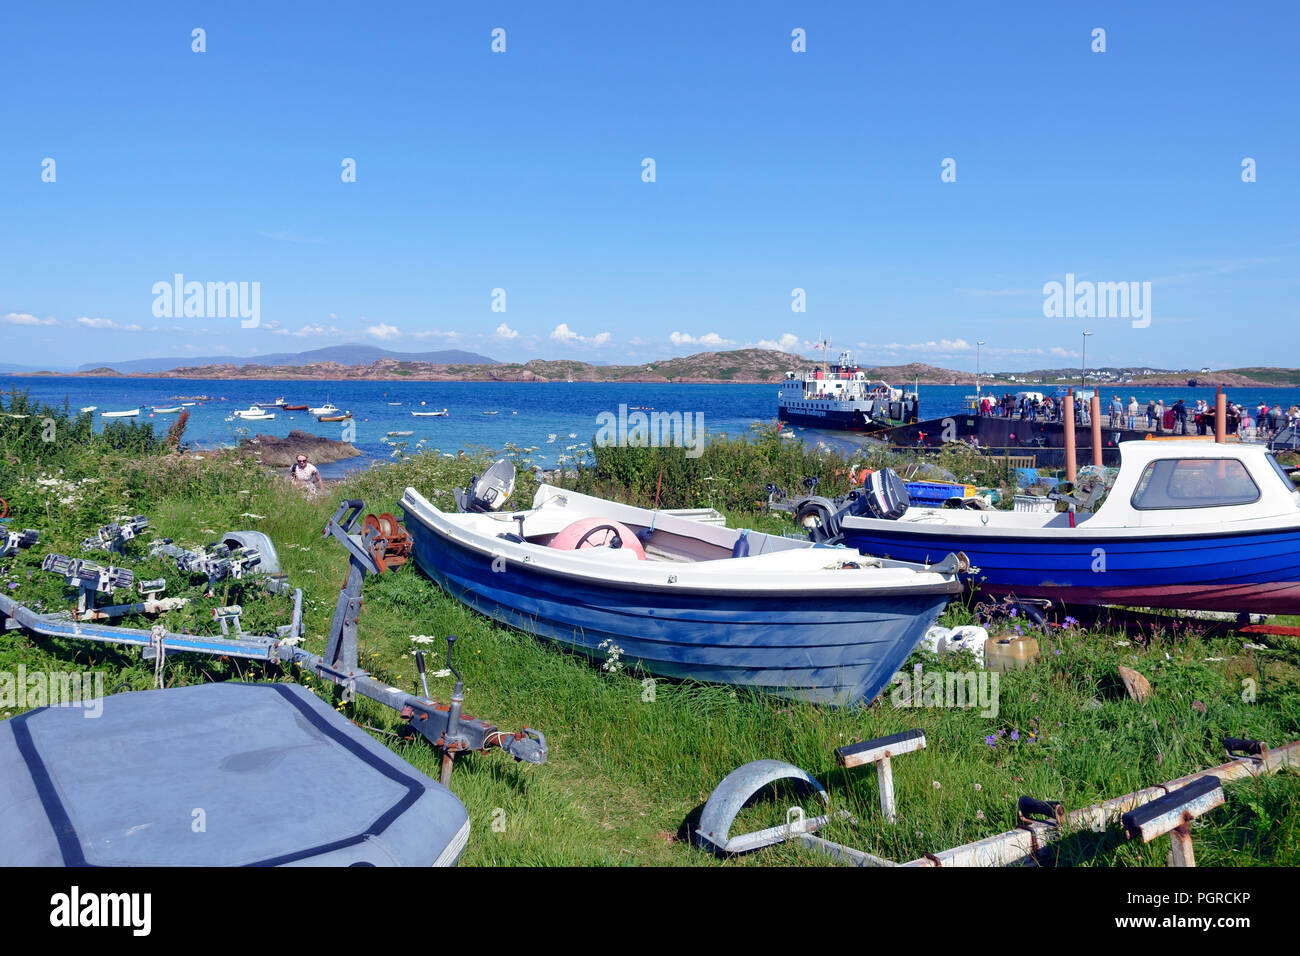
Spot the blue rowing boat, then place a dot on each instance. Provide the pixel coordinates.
(684, 599)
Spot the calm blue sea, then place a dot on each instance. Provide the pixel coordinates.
(527, 414)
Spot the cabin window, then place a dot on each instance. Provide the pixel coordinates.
(1194, 483)
(1281, 473)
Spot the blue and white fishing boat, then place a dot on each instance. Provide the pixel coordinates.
(681, 598)
(1188, 525)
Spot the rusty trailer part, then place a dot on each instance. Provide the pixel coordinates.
(841, 853)
(387, 540)
(383, 546)
(1026, 843)
(1173, 814)
(881, 751)
(1166, 809)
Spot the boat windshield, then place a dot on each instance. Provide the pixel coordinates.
(1194, 483)
(1281, 472)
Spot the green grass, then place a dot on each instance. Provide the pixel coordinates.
(627, 774)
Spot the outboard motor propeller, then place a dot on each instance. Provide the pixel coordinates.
(489, 491)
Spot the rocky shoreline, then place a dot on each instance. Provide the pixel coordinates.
(276, 452)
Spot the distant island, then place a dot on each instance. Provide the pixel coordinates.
(740, 366)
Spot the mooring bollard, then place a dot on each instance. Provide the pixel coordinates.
(1173, 814)
(879, 752)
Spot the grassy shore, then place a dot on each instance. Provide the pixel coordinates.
(633, 762)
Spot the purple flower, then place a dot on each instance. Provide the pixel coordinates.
(1015, 611)
(1058, 652)
(13, 585)
(991, 740)
(1015, 735)
(1070, 621)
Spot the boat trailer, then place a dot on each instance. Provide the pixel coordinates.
(1144, 815)
(381, 545)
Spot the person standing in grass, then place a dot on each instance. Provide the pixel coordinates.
(306, 477)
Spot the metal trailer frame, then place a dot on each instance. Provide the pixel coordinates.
(381, 546)
(1144, 814)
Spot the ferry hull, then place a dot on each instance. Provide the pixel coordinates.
(838, 420)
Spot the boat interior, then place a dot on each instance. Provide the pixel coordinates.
(603, 530)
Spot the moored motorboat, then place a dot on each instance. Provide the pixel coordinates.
(1186, 525)
(86, 410)
(681, 598)
(327, 409)
(254, 414)
(440, 414)
(294, 408)
(132, 413)
(342, 417)
(172, 409)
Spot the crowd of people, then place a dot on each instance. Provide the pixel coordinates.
(1261, 422)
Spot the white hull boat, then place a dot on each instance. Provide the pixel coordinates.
(681, 598)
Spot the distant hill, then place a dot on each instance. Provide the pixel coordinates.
(1108, 375)
(350, 354)
(9, 368)
(748, 366)
(1268, 375)
(739, 366)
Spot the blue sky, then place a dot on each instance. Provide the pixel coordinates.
(774, 171)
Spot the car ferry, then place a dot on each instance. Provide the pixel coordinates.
(840, 396)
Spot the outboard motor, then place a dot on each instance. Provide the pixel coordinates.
(816, 515)
(489, 491)
(885, 495)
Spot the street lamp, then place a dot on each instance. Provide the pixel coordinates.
(1083, 372)
(977, 373)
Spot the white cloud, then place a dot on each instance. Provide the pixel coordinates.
(382, 331)
(944, 346)
(506, 332)
(708, 338)
(22, 318)
(962, 347)
(98, 323)
(435, 334)
(562, 333)
(784, 344)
